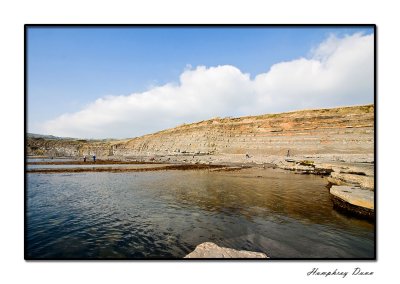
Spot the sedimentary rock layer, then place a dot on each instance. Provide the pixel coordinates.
(355, 200)
(347, 130)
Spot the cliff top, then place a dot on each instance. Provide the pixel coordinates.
(324, 113)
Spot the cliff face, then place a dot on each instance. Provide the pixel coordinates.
(347, 130)
(67, 147)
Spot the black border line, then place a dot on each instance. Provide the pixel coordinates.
(25, 140)
(28, 26)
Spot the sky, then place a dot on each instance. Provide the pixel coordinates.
(125, 82)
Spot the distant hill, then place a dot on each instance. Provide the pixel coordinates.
(52, 137)
(49, 137)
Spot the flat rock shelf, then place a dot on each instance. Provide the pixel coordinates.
(354, 199)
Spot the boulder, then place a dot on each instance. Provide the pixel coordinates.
(211, 250)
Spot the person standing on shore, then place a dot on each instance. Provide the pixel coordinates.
(94, 158)
(84, 158)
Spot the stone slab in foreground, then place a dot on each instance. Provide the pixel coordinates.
(354, 199)
(211, 250)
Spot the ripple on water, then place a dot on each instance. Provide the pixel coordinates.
(167, 214)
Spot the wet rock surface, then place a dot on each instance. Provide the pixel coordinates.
(211, 250)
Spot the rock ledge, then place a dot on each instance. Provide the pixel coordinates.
(211, 250)
(353, 199)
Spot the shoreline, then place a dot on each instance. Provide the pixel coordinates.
(349, 173)
(116, 170)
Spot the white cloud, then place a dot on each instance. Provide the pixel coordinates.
(340, 71)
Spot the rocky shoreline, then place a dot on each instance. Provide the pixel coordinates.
(337, 144)
(352, 174)
(117, 170)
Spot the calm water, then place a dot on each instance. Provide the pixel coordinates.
(128, 166)
(168, 213)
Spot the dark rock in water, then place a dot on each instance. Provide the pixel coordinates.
(211, 250)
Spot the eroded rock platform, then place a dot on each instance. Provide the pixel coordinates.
(354, 199)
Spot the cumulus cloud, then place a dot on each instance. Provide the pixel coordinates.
(338, 72)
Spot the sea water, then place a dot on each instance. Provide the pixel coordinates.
(166, 214)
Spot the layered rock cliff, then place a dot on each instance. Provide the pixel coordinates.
(346, 130)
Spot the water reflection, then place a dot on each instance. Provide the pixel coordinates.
(166, 214)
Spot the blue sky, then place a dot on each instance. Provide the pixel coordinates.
(70, 68)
